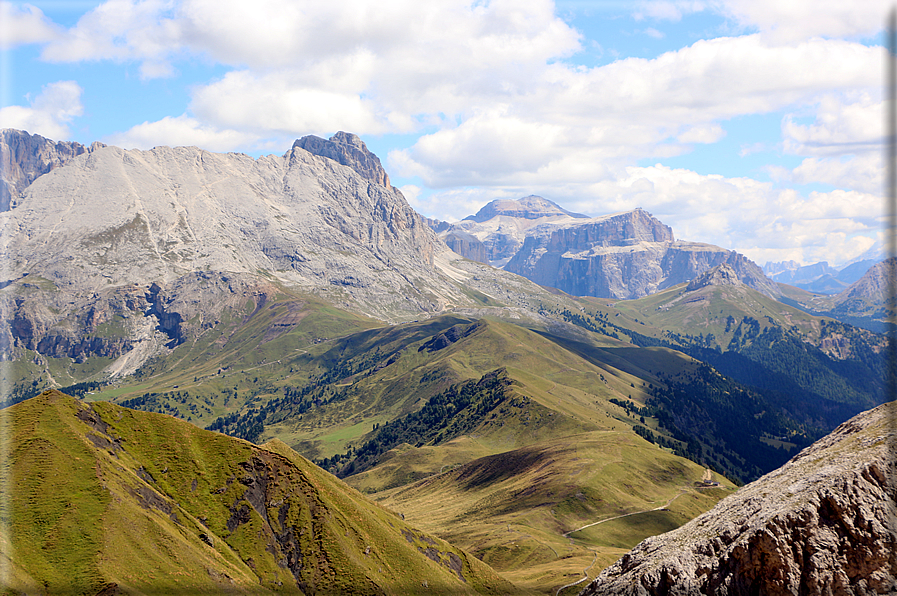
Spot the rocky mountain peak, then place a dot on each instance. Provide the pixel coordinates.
(721, 275)
(531, 207)
(873, 285)
(349, 150)
(774, 268)
(314, 225)
(25, 157)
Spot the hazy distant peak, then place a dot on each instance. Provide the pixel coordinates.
(531, 207)
(774, 268)
(349, 150)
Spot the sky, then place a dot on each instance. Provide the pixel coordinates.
(755, 125)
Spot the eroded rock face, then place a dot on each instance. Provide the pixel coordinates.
(349, 150)
(821, 524)
(322, 218)
(24, 157)
(721, 275)
(466, 245)
(623, 255)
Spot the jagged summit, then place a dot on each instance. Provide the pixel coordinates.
(349, 150)
(24, 157)
(531, 207)
(622, 255)
(721, 275)
(321, 219)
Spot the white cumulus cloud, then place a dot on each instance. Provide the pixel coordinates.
(180, 131)
(121, 30)
(799, 19)
(25, 24)
(49, 114)
(841, 126)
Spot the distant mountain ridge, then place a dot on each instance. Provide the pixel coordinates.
(865, 302)
(818, 277)
(622, 256)
(530, 207)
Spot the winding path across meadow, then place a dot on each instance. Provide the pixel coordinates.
(585, 572)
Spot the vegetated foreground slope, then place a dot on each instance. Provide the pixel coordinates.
(263, 350)
(402, 403)
(814, 371)
(542, 513)
(821, 524)
(99, 497)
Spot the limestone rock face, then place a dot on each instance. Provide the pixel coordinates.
(502, 225)
(531, 207)
(140, 245)
(349, 150)
(467, 245)
(24, 157)
(821, 524)
(721, 275)
(113, 217)
(622, 255)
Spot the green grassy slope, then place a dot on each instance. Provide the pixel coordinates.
(391, 406)
(818, 370)
(98, 495)
(519, 510)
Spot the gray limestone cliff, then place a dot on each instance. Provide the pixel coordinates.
(623, 255)
(349, 150)
(25, 157)
(501, 227)
(465, 244)
(141, 235)
(821, 524)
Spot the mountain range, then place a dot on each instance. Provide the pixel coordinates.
(544, 417)
(624, 255)
(818, 277)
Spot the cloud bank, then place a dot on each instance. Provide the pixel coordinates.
(496, 103)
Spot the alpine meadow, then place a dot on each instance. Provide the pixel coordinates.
(533, 351)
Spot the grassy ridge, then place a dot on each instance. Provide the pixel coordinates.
(513, 509)
(107, 495)
(555, 451)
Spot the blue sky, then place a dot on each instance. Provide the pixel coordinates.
(751, 124)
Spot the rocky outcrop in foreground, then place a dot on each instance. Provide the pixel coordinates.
(821, 524)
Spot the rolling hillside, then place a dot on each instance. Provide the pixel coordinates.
(125, 502)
